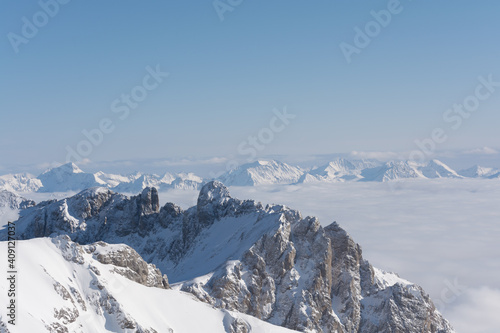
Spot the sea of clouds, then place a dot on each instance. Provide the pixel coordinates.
(441, 234)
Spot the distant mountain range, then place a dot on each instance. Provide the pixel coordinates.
(69, 177)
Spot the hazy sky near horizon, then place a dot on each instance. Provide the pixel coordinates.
(227, 76)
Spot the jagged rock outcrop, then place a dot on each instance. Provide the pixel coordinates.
(66, 288)
(268, 262)
(126, 260)
(22, 182)
(11, 200)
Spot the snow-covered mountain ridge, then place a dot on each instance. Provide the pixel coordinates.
(265, 261)
(13, 201)
(69, 177)
(103, 288)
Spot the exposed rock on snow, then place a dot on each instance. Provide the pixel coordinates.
(69, 177)
(184, 181)
(392, 171)
(268, 262)
(103, 288)
(13, 201)
(22, 182)
(338, 171)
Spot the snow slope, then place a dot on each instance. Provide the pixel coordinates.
(262, 173)
(10, 204)
(22, 182)
(393, 170)
(338, 170)
(268, 262)
(68, 177)
(478, 172)
(74, 291)
(437, 169)
(138, 182)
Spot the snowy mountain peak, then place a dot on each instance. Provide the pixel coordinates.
(69, 167)
(437, 169)
(339, 170)
(68, 177)
(341, 164)
(13, 201)
(267, 262)
(262, 173)
(94, 192)
(22, 182)
(102, 288)
(213, 191)
(477, 171)
(392, 170)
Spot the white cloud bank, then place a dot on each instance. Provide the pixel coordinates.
(435, 233)
(476, 311)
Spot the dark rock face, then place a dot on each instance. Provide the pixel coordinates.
(136, 269)
(13, 201)
(149, 202)
(268, 262)
(93, 290)
(120, 256)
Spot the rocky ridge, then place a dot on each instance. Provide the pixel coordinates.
(268, 262)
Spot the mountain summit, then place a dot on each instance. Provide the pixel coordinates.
(68, 177)
(265, 261)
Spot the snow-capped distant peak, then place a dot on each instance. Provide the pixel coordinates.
(13, 201)
(168, 178)
(393, 170)
(262, 172)
(478, 171)
(68, 177)
(437, 169)
(65, 168)
(22, 182)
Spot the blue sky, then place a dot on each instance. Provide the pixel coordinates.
(226, 77)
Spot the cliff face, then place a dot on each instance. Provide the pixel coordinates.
(268, 262)
(66, 287)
